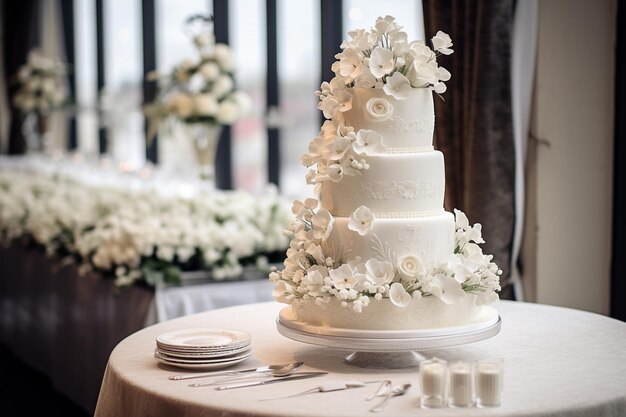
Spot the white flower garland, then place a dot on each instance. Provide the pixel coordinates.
(141, 236)
(311, 272)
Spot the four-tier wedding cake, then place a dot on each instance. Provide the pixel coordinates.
(376, 250)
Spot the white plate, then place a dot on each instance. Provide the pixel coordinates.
(203, 350)
(204, 338)
(202, 354)
(165, 355)
(199, 366)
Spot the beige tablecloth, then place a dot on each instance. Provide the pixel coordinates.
(558, 362)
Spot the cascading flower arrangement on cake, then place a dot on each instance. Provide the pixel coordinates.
(378, 230)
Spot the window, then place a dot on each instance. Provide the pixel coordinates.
(299, 77)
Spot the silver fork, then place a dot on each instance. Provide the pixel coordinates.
(384, 386)
(396, 391)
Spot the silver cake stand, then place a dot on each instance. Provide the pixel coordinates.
(386, 349)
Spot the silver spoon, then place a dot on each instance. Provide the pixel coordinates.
(396, 391)
(286, 370)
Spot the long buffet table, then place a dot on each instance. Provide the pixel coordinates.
(65, 324)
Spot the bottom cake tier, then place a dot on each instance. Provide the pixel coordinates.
(423, 313)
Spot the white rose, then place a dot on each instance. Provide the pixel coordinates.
(224, 57)
(205, 105)
(378, 109)
(409, 266)
(228, 112)
(209, 71)
(222, 86)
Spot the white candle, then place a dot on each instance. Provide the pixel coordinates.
(433, 382)
(489, 384)
(461, 393)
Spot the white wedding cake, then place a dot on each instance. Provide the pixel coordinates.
(376, 250)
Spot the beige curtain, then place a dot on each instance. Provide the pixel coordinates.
(474, 126)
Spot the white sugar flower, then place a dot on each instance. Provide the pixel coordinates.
(398, 295)
(314, 280)
(442, 43)
(461, 221)
(397, 86)
(409, 266)
(443, 74)
(205, 105)
(379, 109)
(361, 221)
(440, 88)
(343, 277)
(386, 24)
(378, 272)
(447, 288)
(369, 142)
(381, 62)
(335, 172)
(350, 65)
(322, 223)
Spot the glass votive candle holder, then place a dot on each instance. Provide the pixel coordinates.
(489, 382)
(433, 374)
(461, 384)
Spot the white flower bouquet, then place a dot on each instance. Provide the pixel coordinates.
(199, 90)
(41, 85)
(142, 236)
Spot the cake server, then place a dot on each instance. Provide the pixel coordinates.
(300, 375)
(329, 386)
(234, 373)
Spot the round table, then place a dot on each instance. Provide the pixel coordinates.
(558, 362)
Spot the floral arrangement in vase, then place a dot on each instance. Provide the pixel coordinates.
(200, 94)
(41, 89)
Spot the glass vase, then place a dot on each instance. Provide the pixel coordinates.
(205, 139)
(35, 131)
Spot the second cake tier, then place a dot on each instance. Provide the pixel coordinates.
(411, 184)
(429, 237)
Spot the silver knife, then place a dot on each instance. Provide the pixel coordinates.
(230, 373)
(300, 375)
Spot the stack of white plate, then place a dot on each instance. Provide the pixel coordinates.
(202, 348)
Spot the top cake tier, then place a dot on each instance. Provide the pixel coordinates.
(405, 125)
